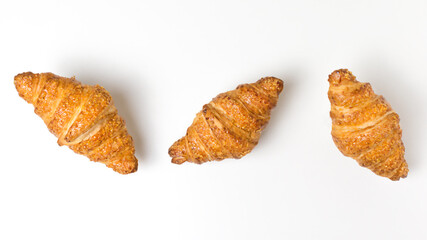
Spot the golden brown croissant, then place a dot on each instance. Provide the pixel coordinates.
(82, 117)
(230, 125)
(365, 127)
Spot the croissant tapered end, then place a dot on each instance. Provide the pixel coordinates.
(178, 152)
(25, 84)
(124, 165)
(272, 85)
(230, 125)
(365, 127)
(341, 76)
(29, 85)
(82, 117)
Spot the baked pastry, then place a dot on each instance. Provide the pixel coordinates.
(82, 117)
(365, 127)
(230, 125)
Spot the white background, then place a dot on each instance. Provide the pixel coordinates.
(161, 61)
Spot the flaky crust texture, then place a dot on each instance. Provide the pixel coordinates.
(82, 117)
(230, 125)
(365, 127)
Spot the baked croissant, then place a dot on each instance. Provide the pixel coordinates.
(365, 127)
(82, 117)
(230, 125)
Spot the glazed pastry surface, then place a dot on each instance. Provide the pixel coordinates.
(230, 125)
(82, 117)
(365, 127)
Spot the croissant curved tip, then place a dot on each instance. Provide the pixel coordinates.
(177, 151)
(340, 76)
(401, 173)
(397, 178)
(271, 84)
(178, 160)
(125, 165)
(24, 84)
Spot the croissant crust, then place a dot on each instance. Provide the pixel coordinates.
(230, 125)
(83, 118)
(365, 127)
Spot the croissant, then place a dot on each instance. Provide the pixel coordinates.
(365, 127)
(230, 125)
(82, 117)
